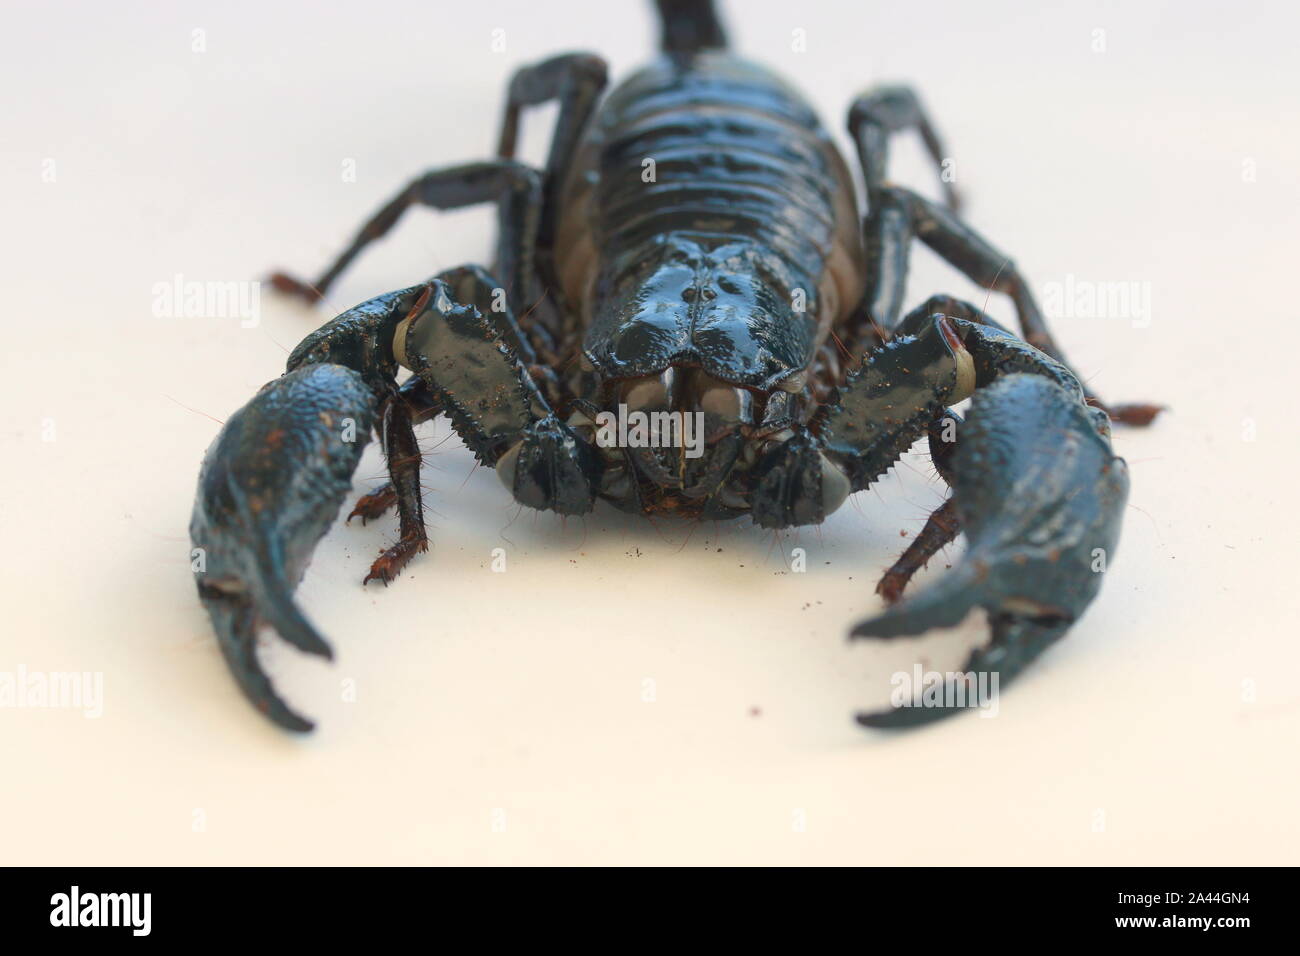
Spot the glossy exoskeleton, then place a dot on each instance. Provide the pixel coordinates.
(693, 245)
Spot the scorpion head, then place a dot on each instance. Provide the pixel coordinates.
(729, 307)
(700, 347)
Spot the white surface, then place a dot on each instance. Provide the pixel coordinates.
(486, 698)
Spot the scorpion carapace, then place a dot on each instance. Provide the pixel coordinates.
(688, 313)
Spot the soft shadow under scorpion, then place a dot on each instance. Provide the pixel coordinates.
(693, 244)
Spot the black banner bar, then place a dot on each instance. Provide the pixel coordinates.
(238, 904)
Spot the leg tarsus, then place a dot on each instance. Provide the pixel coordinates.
(374, 504)
(286, 284)
(1136, 414)
(390, 562)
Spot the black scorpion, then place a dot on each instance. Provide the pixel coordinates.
(695, 241)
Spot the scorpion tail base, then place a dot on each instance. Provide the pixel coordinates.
(690, 26)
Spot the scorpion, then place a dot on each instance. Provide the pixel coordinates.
(693, 243)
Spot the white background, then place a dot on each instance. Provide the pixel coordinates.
(499, 718)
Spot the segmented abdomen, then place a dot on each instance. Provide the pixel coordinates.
(719, 146)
